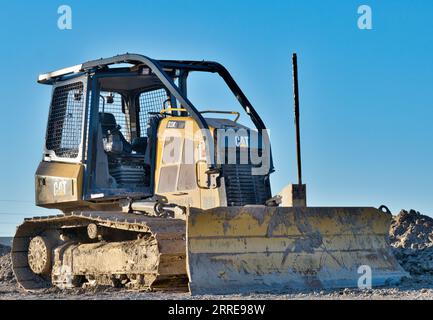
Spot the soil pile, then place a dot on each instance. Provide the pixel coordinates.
(6, 274)
(411, 235)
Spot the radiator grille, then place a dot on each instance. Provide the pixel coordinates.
(65, 120)
(242, 187)
(151, 101)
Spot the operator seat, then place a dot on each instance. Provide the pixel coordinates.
(114, 141)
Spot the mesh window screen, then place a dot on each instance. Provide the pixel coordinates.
(116, 109)
(151, 101)
(65, 120)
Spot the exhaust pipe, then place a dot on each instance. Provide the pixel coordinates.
(295, 195)
(296, 105)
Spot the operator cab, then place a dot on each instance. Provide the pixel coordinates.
(127, 121)
(121, 126)
(102, 132)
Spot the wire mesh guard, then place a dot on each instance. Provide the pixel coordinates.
(65, 120)
(117, 108)
(150, 102)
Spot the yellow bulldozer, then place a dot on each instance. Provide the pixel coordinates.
(157, 194)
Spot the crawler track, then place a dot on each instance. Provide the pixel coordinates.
(153, 247)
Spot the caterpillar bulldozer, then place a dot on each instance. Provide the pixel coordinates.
(158, 194)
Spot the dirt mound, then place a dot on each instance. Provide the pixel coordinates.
(416, 262)
(411, 235)
(6, 274)
(411, 230)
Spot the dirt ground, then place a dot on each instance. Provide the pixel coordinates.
(411, 236)
(417, 288)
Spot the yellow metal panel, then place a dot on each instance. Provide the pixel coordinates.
(258, 248)
(279, 221)
(58, 183)
(240, 245)
(197, 197)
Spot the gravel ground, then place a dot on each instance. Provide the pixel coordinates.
(411, 236)
(418, 288)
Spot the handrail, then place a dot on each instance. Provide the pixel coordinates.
(172, 109)
(223, 112)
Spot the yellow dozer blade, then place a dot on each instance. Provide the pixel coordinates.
(270, 249)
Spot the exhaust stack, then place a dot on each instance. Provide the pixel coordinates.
(295, 195)
(296, 105)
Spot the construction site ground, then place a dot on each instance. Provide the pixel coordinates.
(411, 235)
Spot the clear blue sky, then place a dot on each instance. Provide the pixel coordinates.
(366, 95)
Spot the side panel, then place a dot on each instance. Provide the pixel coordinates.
(181, 167)
(58, 185)
(180, 152)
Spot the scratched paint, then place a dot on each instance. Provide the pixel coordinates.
(261, 249)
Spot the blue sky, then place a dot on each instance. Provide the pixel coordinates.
(366, 95)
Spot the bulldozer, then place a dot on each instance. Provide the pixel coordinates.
(157, 194)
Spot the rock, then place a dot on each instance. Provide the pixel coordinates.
(411, 235)
(411, 230)
(6, 273)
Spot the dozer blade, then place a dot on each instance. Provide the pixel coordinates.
(274, 249)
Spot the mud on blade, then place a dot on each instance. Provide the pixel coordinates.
(260, 249)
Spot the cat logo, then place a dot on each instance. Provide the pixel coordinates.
(175, 124)
(242, 141)
(59, 188)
